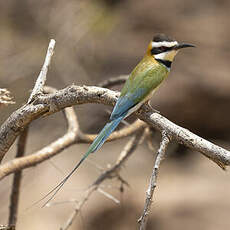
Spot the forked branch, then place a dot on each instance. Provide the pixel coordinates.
(108, 174)
(42, 104)
(74, 95)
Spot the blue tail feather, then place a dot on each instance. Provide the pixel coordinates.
(96, 145)
(104, 134)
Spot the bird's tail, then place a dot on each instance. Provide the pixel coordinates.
(97, 143)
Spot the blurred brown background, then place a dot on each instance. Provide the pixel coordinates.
(97, 40)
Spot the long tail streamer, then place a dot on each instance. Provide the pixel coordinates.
(97, 143)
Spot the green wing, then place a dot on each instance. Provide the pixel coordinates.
(142, 81)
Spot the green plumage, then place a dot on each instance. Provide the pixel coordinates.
(142, 82)
(146, 76)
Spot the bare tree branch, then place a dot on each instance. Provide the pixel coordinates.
(73, 95)
(41, 80)
(113, 81)
(183, 136)
(152, 184)
(78, 207)
(41, 104)
(73, 136)
(108, 174)
(46, 152)
(15, 192)
(124, 132)
(124, 155)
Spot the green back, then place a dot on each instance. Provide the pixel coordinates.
(146, 77)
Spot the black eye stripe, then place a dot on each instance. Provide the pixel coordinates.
(161, 49)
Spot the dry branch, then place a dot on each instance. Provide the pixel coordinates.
(40, 104)
(41, 80)
(108, 174)
(46, 152)
(113, 81)
(152, 184)
(73, 136)
(15, 192)
(183, 136)
(73, 95)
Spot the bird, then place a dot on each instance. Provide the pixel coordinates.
(143, 81)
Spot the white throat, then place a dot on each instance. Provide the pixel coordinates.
(161, 56)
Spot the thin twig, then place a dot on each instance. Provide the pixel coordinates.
(15, 192)
(108, 174)
(109, 196)
(78, 207)
(113, 81)
(41, 80)
(129, 148)
(152, 184)
(124, 132)
(45, 153)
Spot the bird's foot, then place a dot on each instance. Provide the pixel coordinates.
(156, 111)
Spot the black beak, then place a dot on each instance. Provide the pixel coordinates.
(183, 45)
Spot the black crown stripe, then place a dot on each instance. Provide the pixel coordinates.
(162, 37)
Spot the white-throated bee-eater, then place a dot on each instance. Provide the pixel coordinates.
(139, 87)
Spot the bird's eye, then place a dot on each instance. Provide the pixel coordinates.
(162, 48)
